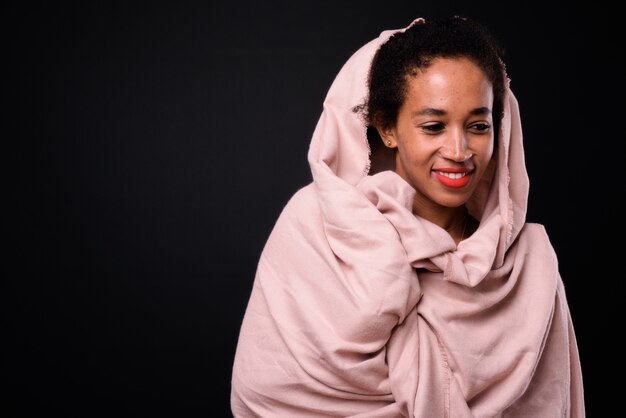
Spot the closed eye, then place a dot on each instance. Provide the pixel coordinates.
(433, 128)
(480, 127)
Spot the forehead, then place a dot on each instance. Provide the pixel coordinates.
(447, 79)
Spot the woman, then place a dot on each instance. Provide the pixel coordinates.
(404, 280)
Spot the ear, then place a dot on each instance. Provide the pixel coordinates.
(388, 135)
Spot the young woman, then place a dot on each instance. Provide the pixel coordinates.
(404, 281)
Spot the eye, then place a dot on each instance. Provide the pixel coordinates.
(480, 127)
(433, 128)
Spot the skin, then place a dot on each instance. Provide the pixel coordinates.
(444, 125)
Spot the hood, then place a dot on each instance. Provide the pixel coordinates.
(340, 158)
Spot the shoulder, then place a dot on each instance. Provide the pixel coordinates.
(302, 204)
(303, 196)
(534, 239)
(298, 230)
(533, 230)
(300, 213)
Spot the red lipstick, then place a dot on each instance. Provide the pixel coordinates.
(453, 177)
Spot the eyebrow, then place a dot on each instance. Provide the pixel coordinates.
(431, 111)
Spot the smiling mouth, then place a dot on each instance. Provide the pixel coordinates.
(453, 180)
(454, 176)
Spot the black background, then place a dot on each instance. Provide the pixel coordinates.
(151, 146)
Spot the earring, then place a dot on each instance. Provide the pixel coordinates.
(388, 143)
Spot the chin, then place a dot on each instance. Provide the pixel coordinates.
(452, 202)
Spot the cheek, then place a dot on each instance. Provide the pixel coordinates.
(490, 149)
(414, 154)
(485, 158)
(486, 150)
(416, 147)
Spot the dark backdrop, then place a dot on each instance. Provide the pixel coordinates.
(151, 147)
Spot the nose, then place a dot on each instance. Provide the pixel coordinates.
(455, 147)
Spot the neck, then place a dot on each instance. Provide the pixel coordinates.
(458, 223)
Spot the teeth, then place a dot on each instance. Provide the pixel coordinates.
(452, 175)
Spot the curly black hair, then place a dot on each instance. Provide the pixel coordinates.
(404, 53)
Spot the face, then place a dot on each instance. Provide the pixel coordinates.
(444, 133)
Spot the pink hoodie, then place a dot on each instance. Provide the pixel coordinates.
(361, 309)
